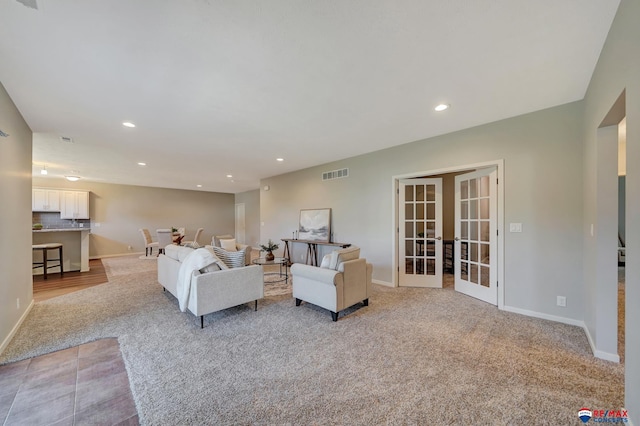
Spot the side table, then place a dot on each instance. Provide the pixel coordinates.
(281, 261)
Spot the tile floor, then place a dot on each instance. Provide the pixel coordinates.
(84, 385)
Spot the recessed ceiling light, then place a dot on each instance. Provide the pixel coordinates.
(199, 186)
(279, 159)
(142, 163)
(73, 178)
(229, 176)
(442, 107)
(128, 124)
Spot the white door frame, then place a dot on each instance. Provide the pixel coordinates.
(395, 186)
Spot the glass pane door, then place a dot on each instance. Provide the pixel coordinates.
(476, 224)
(420, 230)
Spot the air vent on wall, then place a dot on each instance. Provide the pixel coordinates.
(335, 174)
(66, 139)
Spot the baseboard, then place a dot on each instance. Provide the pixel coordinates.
(384, 283)
(541, 315)
(104, 256)
(607, 356)
(570, 321)
(14, 330)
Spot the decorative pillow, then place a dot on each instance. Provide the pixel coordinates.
(233, 259)
(192, 244)
(339, 256)
(326, 261)
(215, 241)
(228, 245)
(219, 264)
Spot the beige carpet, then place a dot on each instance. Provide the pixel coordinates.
(413, 356)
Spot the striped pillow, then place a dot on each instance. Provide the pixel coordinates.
(233, 259)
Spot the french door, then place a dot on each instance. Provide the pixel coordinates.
(476, 235)
(420, 233)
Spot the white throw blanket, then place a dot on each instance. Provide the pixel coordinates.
(196, 260)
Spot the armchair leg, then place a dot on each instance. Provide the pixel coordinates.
(201, 321)
(298, 301)
(256, 307)
(365, 302)
(334, 316)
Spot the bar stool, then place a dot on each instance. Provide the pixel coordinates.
(44, 264)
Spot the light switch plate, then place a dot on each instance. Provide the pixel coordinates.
(515, 227)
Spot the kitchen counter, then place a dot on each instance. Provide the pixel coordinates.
(75, 246)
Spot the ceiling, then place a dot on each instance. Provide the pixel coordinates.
(219, 88)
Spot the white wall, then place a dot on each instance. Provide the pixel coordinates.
(15, 215)
(542, 155)
(617, 71)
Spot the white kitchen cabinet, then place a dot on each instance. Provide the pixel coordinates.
(74, 205)
(45, 200)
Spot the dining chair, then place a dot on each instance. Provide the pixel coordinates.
(149, 244)
(165, 238)
(195, 238)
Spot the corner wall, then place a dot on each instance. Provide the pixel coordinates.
(617, 70)
(15, 214)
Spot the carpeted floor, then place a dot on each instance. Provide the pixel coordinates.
(413, 356)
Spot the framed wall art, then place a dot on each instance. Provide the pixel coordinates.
(315, 225)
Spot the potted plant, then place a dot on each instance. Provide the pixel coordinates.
(269, 248)
(37, 226)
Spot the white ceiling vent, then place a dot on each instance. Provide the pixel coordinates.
(335, 174)
(66, 139)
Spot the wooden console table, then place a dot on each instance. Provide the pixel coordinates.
(312, 249)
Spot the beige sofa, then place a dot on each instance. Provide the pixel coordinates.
(211, 291)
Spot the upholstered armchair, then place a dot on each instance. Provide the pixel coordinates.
(228, 242)
(341, 281)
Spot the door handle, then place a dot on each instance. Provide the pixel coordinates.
(457, 239)
(438, 238)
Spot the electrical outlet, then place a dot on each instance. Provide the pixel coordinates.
(18, 303)
(562, 301)
(129, 248)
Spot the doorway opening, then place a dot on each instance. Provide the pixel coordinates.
(610, 238)
(447, 226)
(622, 175)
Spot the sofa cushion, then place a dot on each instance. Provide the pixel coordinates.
(176, 252)
(228, 245)
(233, 259)
(339, 256)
